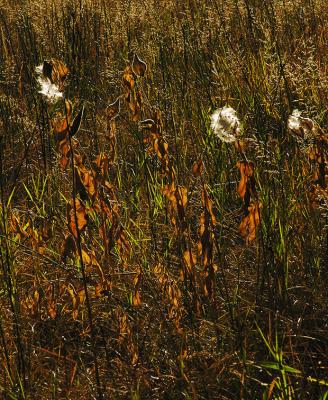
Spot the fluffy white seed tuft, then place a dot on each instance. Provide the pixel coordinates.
(225, 124)
(48, 89)
(299, 126)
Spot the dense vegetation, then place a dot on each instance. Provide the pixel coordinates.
(142, 257)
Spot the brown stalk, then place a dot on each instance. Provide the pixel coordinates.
(87, 298)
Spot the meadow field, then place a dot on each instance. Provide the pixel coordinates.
(163, 199)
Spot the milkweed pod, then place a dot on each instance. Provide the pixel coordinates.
(47, 70)
(76, 123)
(148, 124)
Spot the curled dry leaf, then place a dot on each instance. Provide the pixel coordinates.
(152, 135)
(136, 298)
(247, 181)
(60, 122)
(124, 326)
(81, 217)
(208, 205)
(205, 244)
(122, 242)
(189, 259)
(75, 300)
(85, 176)
(135, 104)
(61, 125)
(103, 288)
(161, 147)
(133, 95)
(31, 302)
(139, 67)
(65, 151)
(251, 206)
(198, 167)
(250, 222)
(36, 238)
(16, 227)
(128, 79)
(90, 260)
(177, 197)
(101, 163)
